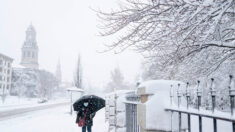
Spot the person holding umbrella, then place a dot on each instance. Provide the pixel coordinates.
(87, 106)
(85, 113)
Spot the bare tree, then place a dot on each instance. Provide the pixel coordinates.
(78, 73)
(48, 83)
(116, 81)
(170, 33)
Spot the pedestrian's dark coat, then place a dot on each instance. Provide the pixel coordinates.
(81, 113)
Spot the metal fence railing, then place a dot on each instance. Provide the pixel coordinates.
(197, 112)
(131, 113)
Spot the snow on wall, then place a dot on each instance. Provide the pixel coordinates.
(116, 110)
(121, 119)
(156, 116)
(154, 86)
(111, 102)
(111, 120)
(120, 105)
(111, 111)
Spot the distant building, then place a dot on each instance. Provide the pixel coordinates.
(58, 72)
(29, 57)
(5, 74)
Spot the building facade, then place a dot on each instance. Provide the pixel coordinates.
(29, 56)
(5, 74)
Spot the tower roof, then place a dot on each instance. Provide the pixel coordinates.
(31, 28)
(30, 41)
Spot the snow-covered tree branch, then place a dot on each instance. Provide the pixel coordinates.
(172, 32)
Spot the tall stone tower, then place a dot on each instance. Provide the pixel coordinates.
(29, 57)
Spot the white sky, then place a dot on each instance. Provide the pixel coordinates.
(64, 29)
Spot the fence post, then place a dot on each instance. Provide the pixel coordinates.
(171, 99)
(198, 95)
(188, 98)
(213, 94)
(179, 101)
(199, 104)
(171, 94)
(231, 95)
(179, 95)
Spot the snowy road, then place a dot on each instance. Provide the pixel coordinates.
(55, 119)
(14, 112)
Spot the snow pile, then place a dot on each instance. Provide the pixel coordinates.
(156, 116)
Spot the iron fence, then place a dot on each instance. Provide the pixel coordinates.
(225, 117)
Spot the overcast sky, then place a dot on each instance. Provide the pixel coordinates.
(64, 29)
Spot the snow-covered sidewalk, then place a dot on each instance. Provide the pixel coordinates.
(50, 120)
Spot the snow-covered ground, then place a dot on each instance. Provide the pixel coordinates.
(55, 119)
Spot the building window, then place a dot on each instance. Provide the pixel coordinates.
(0, 69)
(0, 78)
(8, 87)
(0, 86)
(8, 79)
(1, 62)
(9, 64)
(28, 54)
(8, 71)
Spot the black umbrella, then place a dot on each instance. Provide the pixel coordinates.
(95, 103)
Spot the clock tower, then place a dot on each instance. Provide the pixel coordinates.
(29, 56)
